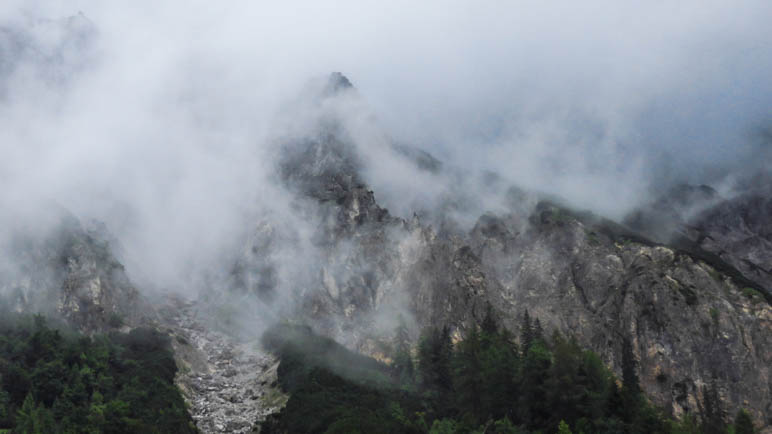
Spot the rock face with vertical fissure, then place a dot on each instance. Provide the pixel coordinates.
(690, 298)
(686, 285)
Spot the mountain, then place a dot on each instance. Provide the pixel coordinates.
(736, 230)
(694, 309)
(686, 280)
(69, 270)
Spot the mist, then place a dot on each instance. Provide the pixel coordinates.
(165, 121)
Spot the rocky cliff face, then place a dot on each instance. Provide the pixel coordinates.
(70, 271)
(739, 231)
(693, 310)
(736, 230)
(690, 324)
(692, 301)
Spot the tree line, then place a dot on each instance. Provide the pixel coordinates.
(53, 380)
(489, 382)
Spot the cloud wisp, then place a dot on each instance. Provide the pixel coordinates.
(164, 120)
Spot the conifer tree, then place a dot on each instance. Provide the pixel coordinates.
(614, 402)
(489, 325)
(743, 423)
(434, 360)
(43, 421)
(444, 355)
(712, 413)
(403, 362)
(631, 387)
(526, 333)
(401, 334)
(468, 374)
(538, 332)
(563, 428)
(630, 381)
(687, 425)
(5, 401)
(25, 416)
(534, 405)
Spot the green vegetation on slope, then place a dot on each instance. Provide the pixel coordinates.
(486, 383)
(55, 381)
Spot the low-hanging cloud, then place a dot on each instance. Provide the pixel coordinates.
(162, 118)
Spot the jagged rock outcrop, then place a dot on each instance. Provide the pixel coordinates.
(736, 230)
(739, 231)
(67, 269)
(691, 311)
(690, 324)
(690, 301)
(70, 271)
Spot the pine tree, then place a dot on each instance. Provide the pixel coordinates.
(504, 426)
(631, 387)
(526, 333)
(743, 423)
(712, 413)
(444, 356)
(489, 325)
(469, 375)
(401, 333)
(615, 405)
(534, 405)
(568, 391)
(5, 401)
(43, 421)
(403, 363)
(435, 351)
(501, 362)
(563, 428)
(538, 332)
(630, 382)
(25, 416)
(687, 425)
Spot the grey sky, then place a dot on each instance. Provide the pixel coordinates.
(164, 122)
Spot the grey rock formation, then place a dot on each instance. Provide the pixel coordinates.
(690, 323)
(736, 231)
(70, 271)
(229, 384)
(691, 309)
(691, 301)
(739, 231)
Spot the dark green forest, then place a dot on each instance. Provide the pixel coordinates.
(484, 384)
(58, 381)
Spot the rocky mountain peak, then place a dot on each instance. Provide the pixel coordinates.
(336, 83)
(70, 271)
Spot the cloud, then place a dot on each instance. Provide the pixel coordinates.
(163, 119)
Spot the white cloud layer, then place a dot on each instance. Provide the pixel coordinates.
(160, 118)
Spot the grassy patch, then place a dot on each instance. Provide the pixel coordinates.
(714, 274)
(592, 237)
(115, 320)
(753, 294)
(275, 398)
(714, 315)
